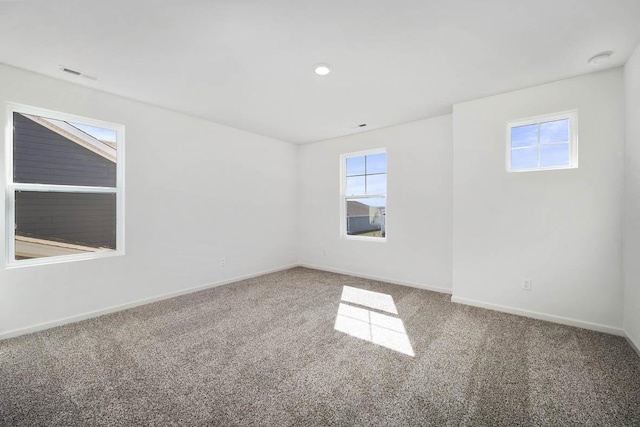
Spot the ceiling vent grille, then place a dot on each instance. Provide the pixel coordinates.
(77, 73)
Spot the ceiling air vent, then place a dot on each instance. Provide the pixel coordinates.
(67, 70)
(77, 73)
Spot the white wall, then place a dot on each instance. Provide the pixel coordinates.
(195, 192)
(632, 200)
(560, 228)
(418, 246)
(264, 204)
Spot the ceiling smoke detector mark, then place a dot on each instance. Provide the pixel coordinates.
(77, 73)
(600, 58)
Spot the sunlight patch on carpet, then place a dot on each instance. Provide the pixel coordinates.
(373, 326)
(375, 300)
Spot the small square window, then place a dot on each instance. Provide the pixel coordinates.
(545, 142)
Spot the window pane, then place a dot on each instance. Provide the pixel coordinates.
(52, 224)
(524, 136)
(355, 185)
(366, 217)
(377, 163)
(355, 166)
(50, 151)
(108, 136)
(524, 158)
(557, 131)
(377, 184)
(554, 155)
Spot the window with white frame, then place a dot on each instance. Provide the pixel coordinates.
(65, 189)
(544, 142)
(364, 194)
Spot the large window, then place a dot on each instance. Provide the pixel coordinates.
(364, 195)
(546, 142)
(64, 187)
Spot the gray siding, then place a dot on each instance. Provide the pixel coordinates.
(361, 224)
(41, 156)
(79, 218)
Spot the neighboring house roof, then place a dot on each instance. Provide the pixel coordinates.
(72, 133)
(109, 143)
(29, 247)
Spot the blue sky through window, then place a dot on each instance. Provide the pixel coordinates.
(543, 144)
(524, 136)
(367, 175)
(557, 131)
(101, 134)
(355, 165)
(377, 163)
(370, 164)
(554, 155)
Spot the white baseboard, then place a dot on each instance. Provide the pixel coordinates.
(120, 307)
(541, 316)
(633, 343)
(379, 279)
(511, 310)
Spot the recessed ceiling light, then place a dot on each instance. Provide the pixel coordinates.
(322, 69)
(600, 58)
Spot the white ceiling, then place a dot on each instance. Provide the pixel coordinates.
(248, 63)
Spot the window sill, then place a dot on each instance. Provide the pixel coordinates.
(365, 238)
(61, 259)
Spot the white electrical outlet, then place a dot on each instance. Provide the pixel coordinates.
(324, 252)
(222, 262)
(525, 284)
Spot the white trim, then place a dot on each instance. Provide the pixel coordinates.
(379, 279)
(8, 191)
(59, 259)
(366, 238)
(115, 308)
(46, 188)
(42, 112)
(633, 343)
(572, 116)
(365, 196)
(466, 301)
(540, 316)
(11, 187)
(365, 152)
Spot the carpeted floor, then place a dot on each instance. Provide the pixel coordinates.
(266, 351)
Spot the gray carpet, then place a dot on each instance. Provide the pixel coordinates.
(264, 352)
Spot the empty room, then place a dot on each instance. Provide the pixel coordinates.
(336, 213)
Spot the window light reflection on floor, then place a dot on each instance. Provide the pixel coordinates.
(373, 326)
(376, 300)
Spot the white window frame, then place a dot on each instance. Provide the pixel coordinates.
(11, 187)
(572, 116)
(344, 196)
